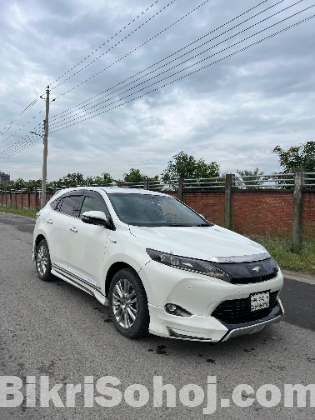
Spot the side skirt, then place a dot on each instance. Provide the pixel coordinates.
(83, 284)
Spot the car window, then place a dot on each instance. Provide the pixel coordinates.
(153, 210)
(90, 204)
(71, 205)
(54, 204)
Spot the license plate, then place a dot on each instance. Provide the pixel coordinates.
(259, 301)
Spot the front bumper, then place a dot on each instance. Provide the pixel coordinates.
(200, 296)
(209, 329)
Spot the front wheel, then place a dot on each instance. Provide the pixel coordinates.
(43, 263)
(128, 304)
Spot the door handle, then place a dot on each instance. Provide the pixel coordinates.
(50, 221)
(73, 229)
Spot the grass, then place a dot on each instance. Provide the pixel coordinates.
(281, 250)
(21, 212)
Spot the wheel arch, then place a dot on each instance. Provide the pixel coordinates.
(114, 268)
(39, 237)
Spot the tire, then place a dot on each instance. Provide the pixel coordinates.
(128, 304)
(43, 263)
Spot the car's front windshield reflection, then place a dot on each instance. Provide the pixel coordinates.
(154, 210)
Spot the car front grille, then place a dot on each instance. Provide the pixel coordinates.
(238, 311)
(247, 273)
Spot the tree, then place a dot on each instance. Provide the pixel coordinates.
(297, 157)
(71, 180)
(254, 178)
(186, 166)
(133, 176)
(105, 178)
(136, 176)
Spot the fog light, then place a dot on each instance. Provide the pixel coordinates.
(170, 308)
(173, 309)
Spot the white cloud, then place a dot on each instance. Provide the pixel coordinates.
(234, 112)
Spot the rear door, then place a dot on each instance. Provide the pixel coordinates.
(65, 210)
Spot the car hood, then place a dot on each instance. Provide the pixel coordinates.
(203, 243)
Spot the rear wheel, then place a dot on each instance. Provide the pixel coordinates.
(128, 304)
(43, 263)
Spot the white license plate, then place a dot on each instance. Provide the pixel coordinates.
(259, 301)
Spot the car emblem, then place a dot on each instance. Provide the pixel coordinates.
(256, 269)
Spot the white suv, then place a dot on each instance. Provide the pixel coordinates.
(161, 267)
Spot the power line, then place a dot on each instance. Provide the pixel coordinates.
(21, 127)
(7, 128)
(175, 73)
(111, 48)
(101, 46)
(188, 52)
(12, 151)
(131, 52)
(176, 52)
(20, 145)
(195, 71)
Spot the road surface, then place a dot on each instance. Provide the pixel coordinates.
(56, 331)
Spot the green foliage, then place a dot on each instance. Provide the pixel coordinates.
(105, 178)
(21, 212)
(134, 175)
(188, 167)
(70, 180)
(297, 157)
(251, 177)
(281, 250)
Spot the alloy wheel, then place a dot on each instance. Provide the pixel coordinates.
(125, 305)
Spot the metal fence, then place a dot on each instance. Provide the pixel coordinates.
(275, 181)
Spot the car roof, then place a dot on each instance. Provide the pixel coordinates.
(120, 190)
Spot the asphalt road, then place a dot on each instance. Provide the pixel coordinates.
(55, 330)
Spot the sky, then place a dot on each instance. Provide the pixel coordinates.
(234, 111)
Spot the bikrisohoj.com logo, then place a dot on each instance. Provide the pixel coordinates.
(108, 391)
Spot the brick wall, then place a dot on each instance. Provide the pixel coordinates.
(254, 211)
(19, 198)
(261, 212)
(210, 205)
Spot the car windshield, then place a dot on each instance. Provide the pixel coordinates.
(154, 210)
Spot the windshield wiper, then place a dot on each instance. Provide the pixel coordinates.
(186, 225)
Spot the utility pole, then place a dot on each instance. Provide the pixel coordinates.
(45, 151)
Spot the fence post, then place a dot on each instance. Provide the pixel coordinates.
(228, 204)
(6, 198)
(1, 198)
(28, 198)
(180, 193)
(297, 220)
(35, 197)
(146, 184)
(21, 198)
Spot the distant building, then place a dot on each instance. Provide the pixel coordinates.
(4, 178)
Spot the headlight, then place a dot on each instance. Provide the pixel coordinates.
(188, 264)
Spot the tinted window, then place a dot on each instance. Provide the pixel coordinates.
(71, 205)
(55, 203)
(90, 204)
(154, 210)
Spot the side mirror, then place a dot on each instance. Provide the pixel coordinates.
(95, 218)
